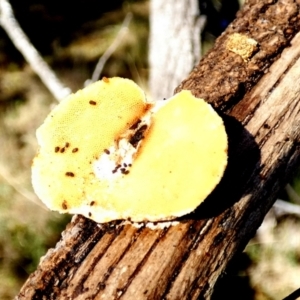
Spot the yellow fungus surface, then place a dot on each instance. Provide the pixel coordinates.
(241, 45)
(180, 156)
(76, 133)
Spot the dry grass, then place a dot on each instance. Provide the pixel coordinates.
(275, 253)
(24, 234)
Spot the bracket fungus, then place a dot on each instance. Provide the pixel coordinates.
(107, 153)
(242, 45)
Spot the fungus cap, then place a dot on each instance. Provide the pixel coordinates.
(108, 154)
(242, 45)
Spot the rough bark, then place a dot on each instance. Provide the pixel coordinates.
(259, 100)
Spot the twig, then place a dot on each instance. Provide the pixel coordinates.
(32, 56)
(292, 194)
(294, 295)
(19, 189)
(284, 208)
(110, 50)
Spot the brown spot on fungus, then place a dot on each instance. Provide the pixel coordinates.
(64, 205)
(56, 149)
(135, 125)
(67, 145)
(138, 136)
(92, 102)
(62, 150)
(90, 214)
(105, 79)
(106, 151)
(116, 168)
(74, 150)
(70, 174)
(92, 203)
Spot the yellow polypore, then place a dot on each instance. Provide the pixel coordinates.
(108, 154)
(241, 45)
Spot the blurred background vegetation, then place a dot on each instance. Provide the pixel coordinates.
(72, 36)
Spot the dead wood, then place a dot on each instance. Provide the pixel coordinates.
(259, 100)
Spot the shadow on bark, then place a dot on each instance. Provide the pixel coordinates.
(242, 169)
(231, 284)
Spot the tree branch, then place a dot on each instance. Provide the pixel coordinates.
(292, 194)
(285, 208)
(110, 50)
(259, 100)
(173, 54)
(36, 62)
